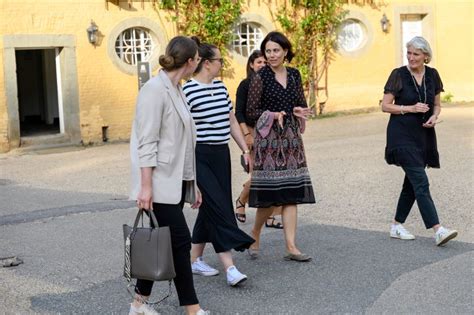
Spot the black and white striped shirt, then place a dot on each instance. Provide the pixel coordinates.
(210, 106)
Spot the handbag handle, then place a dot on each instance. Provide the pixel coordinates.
(140, 215)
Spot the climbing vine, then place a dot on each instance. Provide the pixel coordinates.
(210, 20)
(311, 26)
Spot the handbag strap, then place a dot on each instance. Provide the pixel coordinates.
(133, 294)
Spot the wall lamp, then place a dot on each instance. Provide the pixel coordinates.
(384, 23)
(92, 33)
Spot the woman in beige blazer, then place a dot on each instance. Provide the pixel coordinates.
(163, 168)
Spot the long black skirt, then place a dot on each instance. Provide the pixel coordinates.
(216, 222)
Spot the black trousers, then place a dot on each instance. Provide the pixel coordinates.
(172, 216)
(416, 187)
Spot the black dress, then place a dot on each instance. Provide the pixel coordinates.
(408, 142)
(280, 174)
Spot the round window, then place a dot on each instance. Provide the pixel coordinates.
(134, 45)
(247, 38)
(352, 35)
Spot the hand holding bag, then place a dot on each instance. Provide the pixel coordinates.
(148, 252)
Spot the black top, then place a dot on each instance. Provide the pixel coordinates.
(408, 142)
(266, 93)
(241, 103)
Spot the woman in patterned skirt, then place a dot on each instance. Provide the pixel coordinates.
(280, 177)
(255, 62)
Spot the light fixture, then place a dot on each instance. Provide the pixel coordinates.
(92, 33)
(384, 22)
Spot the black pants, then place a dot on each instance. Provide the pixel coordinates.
(416, 187)
(172, 216)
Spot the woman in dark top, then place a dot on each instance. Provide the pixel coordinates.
(280, 177)
(255, 62)
(412, 97)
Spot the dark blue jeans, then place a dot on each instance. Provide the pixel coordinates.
(416, 187)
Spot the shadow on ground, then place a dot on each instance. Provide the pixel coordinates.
(350, 271)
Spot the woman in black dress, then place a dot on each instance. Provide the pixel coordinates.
(280, 177)
(412, 97)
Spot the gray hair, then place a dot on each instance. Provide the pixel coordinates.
(422, 44)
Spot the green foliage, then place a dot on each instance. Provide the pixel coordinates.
(311, 26)
(211, 21)
(447, 97)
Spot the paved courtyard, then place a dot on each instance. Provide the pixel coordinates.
(62, 210)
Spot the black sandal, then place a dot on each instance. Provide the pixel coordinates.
(241, 217)
(277, 225)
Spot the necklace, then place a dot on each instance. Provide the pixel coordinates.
(210, 91)
(423, 84)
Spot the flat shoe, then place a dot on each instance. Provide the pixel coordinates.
(298, 257)
(254, 253)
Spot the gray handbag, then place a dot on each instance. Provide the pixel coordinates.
(148, 253)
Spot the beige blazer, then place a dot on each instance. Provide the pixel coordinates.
(161, 130)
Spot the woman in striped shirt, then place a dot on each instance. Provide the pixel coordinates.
(211, 109)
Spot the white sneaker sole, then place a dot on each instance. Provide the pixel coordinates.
(237, 281)
(410, 238)
(206, 273)
(447, 238)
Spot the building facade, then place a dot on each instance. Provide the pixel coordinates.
(60, 85)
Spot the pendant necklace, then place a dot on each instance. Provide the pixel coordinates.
(423, 84)
(210, 91)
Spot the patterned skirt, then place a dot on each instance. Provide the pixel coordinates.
(280, 175)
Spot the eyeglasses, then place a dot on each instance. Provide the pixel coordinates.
(221, 60)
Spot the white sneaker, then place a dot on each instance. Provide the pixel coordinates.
(234, 277)
(443, 235)
(398, 231)
(203, 312)
(144, 309)
(199, 267)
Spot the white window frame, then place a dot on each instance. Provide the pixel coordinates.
(352, 35)
(134, 44)
(157, 35)
(256, 36)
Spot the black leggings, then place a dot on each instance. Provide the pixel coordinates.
(172, 216)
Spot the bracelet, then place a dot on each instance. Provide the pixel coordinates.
(246, 151)
(246, 134)
(401, 110)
